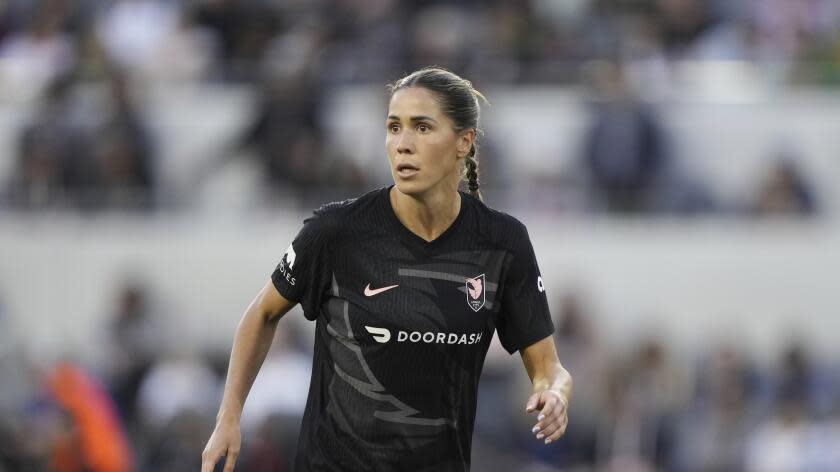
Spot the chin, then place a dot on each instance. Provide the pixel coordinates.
(410, 188)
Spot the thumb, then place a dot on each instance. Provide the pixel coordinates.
(533, 403)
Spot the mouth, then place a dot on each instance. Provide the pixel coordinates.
(406, 170)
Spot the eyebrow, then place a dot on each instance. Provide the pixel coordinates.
(414, 118)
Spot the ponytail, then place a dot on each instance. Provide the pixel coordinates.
(471, 167)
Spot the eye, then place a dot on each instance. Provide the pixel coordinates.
(423, 128)
(394, 128)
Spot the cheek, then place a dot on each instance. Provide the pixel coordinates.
(390, 146)
(444, 153)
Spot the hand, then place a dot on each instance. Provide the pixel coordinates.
(224, 441)
(553, 417)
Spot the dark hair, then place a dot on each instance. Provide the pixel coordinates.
(459, 101)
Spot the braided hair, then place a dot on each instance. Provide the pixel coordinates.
(459, 102)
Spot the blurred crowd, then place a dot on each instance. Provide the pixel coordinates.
(364, 40)
(149, 403)
(88, 144)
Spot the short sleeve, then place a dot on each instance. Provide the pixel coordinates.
(524, 317)
(302, 275)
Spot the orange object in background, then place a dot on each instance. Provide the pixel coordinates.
(104, 447)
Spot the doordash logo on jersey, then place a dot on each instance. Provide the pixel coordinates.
(287, 263)
(382, 335)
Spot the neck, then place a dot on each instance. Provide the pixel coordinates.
(427, 215)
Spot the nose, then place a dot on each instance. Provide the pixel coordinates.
(405, 143)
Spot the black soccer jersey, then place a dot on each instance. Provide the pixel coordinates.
(402, 329)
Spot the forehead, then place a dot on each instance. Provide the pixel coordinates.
(414, 101)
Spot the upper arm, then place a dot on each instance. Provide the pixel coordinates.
(539, 357)
(304, 274)
(270, 303)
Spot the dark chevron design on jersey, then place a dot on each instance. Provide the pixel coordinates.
(372, 388)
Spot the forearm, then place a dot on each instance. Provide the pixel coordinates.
(250, 347)
(544, 368)
(552, 390)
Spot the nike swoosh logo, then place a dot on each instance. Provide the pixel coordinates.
(371, 292)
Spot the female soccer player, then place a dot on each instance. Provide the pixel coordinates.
(406, 285)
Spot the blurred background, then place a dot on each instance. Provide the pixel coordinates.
(674, 160)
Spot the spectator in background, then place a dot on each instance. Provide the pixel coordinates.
(93, 434)
(180, 382)
(271, 446)
(186, 54)
(31, 59)
(823, 451)
(41, 437)
(784, 191)
(175, 402)
(52, 155)
(123, 152)
(713, 431)
(154, 39)
(781, 442)
(133, 32)
(177, 447)
(643, 396)
(624, 149)
(242, 31)
(8, 19)
(682, 23)
(277, 387)
(135, 341)
(69, 158)
(289, 140)
(272, 415)
(797, 376)
(785, 32)
(363, 40)
(287, 135)
(786, 440)
(440, 36)
(579, 346)
(92, 61)
(624, 440)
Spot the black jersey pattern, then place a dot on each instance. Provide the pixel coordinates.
(402, 329)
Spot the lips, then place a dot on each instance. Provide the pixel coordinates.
(406, 170)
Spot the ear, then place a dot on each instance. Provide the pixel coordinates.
(466, 139)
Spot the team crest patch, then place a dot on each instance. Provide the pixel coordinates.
(475, 292)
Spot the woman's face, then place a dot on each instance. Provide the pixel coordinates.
(424, 149)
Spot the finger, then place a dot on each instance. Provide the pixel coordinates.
(556, 416)
(533, 403)
(546, 415)
(548, 429)
(230, 460)
(208, 460)
(560, 431)
(559, 410)
(549, 401)
(545, 422)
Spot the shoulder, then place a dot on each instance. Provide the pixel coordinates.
(336, 216)
(499, 228)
